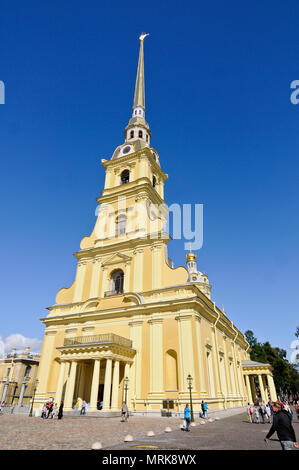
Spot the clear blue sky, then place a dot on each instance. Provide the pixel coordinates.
(218, 102)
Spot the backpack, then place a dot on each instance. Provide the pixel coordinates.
(251, 410)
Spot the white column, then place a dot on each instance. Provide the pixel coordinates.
(108, 178)
(107, 385)
(201, 372)
(138, 270)
(79, 282)
(186, 360)
(95, 278)
(156, 267)
(272, 387)
(69, 394)
(95, 385)
(60, 383)
(127, 278)
(156, 356)
(208, 353)
(226, 368)
(136, 337)
(261, 388)
(105, 286)
(215, 361)
(252, 385)
(45, 363)
(248, 387)
(115, 386)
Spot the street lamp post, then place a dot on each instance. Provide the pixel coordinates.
(126, 381)
(189, 380)
(34, 390)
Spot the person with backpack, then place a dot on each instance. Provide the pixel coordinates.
(187, 416)
(205, 409)
(282, 425)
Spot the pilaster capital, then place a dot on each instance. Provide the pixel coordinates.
(135, 323)
(184, 315)
(155, 320)
(50, 333)
(82, 262)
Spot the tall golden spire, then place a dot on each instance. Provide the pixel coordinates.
(139, 96)
(190, 256)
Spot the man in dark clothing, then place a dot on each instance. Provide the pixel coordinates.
(283, 426)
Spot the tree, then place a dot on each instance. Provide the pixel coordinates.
(285, 375)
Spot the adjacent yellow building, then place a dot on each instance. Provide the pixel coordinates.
(131, 326)
(18, 372)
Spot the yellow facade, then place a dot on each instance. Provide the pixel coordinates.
(130, 314)
(18, 372)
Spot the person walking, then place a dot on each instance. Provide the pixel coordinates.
(49, 415)
(12, 409)
(257, 416)
(83, 409)
(44, 411)
(262, 411)
(202, 409)
(54, 411)
(187, 416)
(282, 425)
(124, 412)
(250, 412)
(268, 413)
(60, 412)
(76, 407)
(205, 409)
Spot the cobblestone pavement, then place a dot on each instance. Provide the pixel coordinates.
(234, 432)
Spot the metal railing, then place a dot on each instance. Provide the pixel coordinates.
(99, 339)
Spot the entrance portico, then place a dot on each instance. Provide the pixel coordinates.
(263, 372)
(92, 368)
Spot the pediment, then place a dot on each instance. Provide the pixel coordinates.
(117, 258)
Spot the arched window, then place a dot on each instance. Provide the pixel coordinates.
(117, 282)
(146, 137)
(140, 134)
(171, 369)
(131, 134)
(154, 181)
(125, 177)
(121, 225)
(27, 371)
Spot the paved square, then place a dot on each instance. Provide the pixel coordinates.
(233, 432)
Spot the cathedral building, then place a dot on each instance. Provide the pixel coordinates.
(131, 327)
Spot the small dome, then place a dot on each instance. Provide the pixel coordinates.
(191, 257)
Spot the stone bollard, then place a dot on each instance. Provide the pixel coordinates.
(202, 421)
(128, 438)
(193, 424)
(150, 433)
(217, 418)
(96, 446)
(168, 429)
(210, 420)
